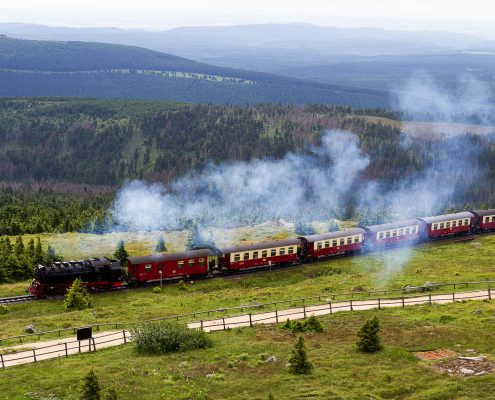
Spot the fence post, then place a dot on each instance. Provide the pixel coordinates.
(276, 316)
(94, 344)
(223, 320)
(453, 297)
(350, 303)
(201, 324)
(1, 359)
(79, 346)
(250, 320)
(429, 298)
(304, 310)
(489, 293)
(34, 355)
(379, 304)
(125, 339)
(330, 307)
(403, 303)
(66, 351)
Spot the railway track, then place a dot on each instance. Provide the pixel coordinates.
(17, 299)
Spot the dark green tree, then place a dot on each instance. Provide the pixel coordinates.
(77, 297)
(18, 247)
(369, 339)
(298, 361)
(160, 245)
(304, 228)
(121, 253)
(333, 226)
(38, 252)
(30, 250)
(194, 240)
(90, 388)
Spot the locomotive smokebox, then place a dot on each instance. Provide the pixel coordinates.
(84, 333)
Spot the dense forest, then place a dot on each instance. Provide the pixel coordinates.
(62, 160)
(81, 69)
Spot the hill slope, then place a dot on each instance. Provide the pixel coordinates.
(43, 68)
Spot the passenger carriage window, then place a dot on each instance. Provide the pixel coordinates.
(493, 218)
(291, 250)
(394, 233)
(237, 257)
(147, 267)
(381, 235)
(454, 224)
(349, 240)
(447, 225)
(334, 243)
(319, 245)
(273, 253)
(356, 239)
(327, 244)
(441, 225)
(407, 231)
(180, 264)
(401, 232)
(433, 227)
(255, 255)
(466, 222)
(282, 252)
(201, 262)
(342, 242)
(246, 256)
(387, 234)
(264, 253)
(190, 262)
(461, 222)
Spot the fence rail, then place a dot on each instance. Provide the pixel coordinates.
(66, 348)
(300, 300)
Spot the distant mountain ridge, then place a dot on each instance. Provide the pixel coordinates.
(87, 69)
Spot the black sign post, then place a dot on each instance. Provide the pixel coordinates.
(84, 333)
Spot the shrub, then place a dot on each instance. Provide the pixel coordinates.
(167, 337)
(111, 394)
(312, 324)
(182, 285)
(157, 289)
(369, 339)
(3, 309)
(77, 297)
(90, 388)
(298, 361)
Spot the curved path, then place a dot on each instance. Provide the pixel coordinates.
(33, 352)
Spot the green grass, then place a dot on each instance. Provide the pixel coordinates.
(236, 360)
(457, 262)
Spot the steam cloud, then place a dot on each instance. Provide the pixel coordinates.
(314, 184)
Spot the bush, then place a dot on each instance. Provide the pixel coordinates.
(182, 285)
(157, 289)
(312, 324)
(167, 337)
(3, 309)
(369, 339)
(90, 388)
(77, 297)
(298, 361)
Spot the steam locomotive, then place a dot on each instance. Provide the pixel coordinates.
(105, 274)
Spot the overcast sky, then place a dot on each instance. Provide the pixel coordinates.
(470, 16)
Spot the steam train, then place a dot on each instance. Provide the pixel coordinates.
(105, 274)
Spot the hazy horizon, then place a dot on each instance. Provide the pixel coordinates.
(412, 15)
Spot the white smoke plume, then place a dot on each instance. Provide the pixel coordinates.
(312, 185)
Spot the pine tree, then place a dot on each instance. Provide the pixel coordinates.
(298, 360)
(121, 253)
(90, 388)
(30, 250)
(77, 297)
(38, 252)
(369, 339)
(333, 226)
(160, 245)
(18, 247)
(303, 228)
(194, 239)
(51, 255)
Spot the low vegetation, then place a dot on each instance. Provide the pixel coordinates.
(312, 324)
(167, 337)
(298, 360)
(77, 297)
(369, 339)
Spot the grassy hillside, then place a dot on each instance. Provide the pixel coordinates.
(82, 69)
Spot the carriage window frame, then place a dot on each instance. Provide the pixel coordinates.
(319, 245)
(237, 257)
(245, 257)
(148, 267)
(264, 254)
(349, 240)
(255, 255)
(356, 239)
(342, 242)
(281, 251)
(327, 244)
(180, 264)
(273, 253)
(334, 243)
(201, 262)
(290, 250)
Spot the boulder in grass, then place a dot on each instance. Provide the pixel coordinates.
(30, 329)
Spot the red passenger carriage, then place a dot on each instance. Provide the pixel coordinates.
(486, 219)
(448, 224)
(172, 265)
(333, 243)
(277, 252)
(393, 234)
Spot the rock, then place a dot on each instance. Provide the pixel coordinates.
(410, 289)
(480, 373)
(478, 312)
(466, 371)
(271, 359)
(210, 375)
(478, 358)
(470, 350)
(183, 364)
(30, 329)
